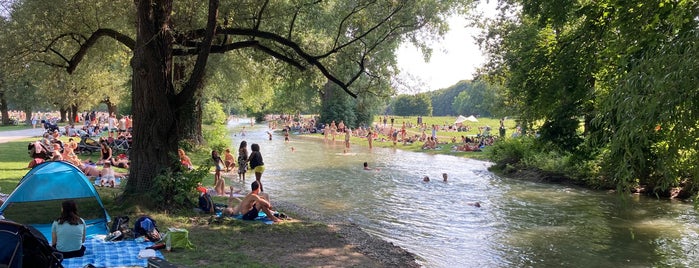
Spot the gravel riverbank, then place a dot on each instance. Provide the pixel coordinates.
(371, 246)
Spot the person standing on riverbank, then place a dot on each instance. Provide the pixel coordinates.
(348, 134)
(370, 138)
(256, 163)
(242, 160)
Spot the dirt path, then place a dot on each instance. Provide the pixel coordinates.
(10, 135)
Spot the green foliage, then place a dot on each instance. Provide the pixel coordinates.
(442, 99)
(338, 107)
(418, 104)
(512, 151)
(625, 71)
(175, 190)
(477, 98)
(213, 113)
(216, 136)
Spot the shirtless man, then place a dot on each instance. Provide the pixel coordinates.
(253, 203)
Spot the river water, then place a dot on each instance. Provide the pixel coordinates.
(519, 223)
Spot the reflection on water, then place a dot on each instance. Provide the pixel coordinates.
(520, 224)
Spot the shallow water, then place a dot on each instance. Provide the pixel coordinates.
(520, 224)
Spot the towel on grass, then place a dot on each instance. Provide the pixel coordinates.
(111, 254)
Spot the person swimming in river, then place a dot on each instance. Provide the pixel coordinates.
(426, 179)
(366, 167)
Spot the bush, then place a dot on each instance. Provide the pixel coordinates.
(213, 114)
(175, 190)
(511, 151)
(216, 137)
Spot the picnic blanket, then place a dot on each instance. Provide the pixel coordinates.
(111, 254)
(261, 217)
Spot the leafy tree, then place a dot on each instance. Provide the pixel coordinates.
(313, 36)
(477, 99)
(442, 100)
(619, 69)
(418, 104)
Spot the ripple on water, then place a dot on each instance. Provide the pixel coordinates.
(520, 224)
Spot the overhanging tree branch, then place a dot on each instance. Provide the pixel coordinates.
(92, 40)
(190, 88)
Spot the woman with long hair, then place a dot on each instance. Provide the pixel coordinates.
(242, 160)
(68, 231)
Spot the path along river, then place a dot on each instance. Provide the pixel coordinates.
(520, 224)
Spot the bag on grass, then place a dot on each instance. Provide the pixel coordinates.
(25, 246)
(145, 226)
(206, 204)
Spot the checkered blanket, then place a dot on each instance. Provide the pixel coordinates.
(110, 254)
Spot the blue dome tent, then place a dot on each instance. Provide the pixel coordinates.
(37, 199)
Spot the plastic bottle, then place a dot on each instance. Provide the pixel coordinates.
(168, 243)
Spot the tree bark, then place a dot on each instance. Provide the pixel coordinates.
(63, 112)
(189, 121)
(3, 109)
(28, 118)
(152, 92)
(189, 115)
(73, 114)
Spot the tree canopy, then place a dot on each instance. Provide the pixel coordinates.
(295, 48)
(610, 80)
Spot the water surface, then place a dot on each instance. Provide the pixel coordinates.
(520, 224)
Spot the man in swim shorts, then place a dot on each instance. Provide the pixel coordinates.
(254, 202)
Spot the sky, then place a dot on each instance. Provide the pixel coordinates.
(454, 58)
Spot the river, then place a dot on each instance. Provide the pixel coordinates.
(519, 223)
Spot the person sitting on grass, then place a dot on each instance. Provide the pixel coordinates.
(107, 177)
(229, 160)
(68, 231)
(254, 202)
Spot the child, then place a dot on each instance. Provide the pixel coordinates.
(242, 161)
(257, 164)
(219, 183)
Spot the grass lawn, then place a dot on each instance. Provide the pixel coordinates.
(13, 127)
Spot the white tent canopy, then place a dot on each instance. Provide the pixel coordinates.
(462, 118)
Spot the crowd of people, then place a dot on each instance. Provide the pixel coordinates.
(118, 132)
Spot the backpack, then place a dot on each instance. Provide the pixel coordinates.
(206, 204)
(25, 246)
(145, 226)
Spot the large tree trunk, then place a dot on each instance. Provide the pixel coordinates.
(3, 109)
(28, 118)
(154, 124)
(111, 108)
(73, 114)
(189, 114)
(189, 121)
(63, 112)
